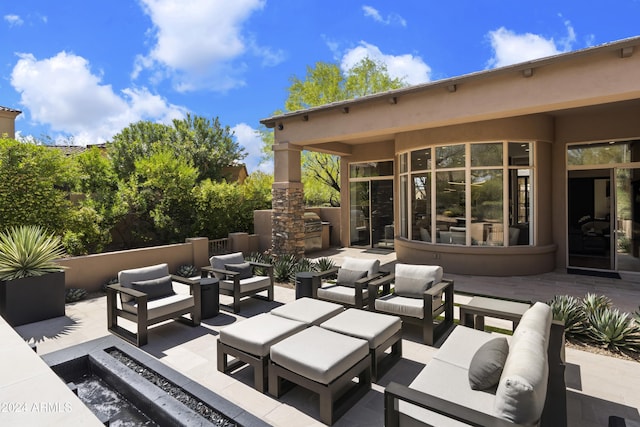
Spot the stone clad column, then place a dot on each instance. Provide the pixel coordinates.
(288, 201)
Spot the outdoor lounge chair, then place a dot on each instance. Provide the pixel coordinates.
(350, 287)
(237, 277)
(420, 296)
(147, 297)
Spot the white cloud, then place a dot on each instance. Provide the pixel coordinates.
(196, 45)
(412, 69)
(250, 139)
(392, 18)
(63, 93)
(13, 20)
(511, 48)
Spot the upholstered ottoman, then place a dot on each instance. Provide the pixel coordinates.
(308, 310)
(249, 342)
(324, 362)
(380, 330)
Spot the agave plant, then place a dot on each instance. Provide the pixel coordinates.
(74, 294)
(260, 258)
(27, 251)
(592, 303)
(570, 310)
(324, 264)
(614, 330)
(283, 268)
(187, 270)
(304, 264)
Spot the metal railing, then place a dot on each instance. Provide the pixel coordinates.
(219, 246)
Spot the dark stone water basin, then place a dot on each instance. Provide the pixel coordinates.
(150, 393)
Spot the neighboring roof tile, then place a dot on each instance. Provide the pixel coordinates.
(10, 110)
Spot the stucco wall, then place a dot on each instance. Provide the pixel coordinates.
(90, 272)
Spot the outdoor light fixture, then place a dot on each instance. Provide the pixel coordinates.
(305, 118)
(280, 126)
(527, 72)
(393, 100)
(345, 110)
(626, 52)
(452, 88)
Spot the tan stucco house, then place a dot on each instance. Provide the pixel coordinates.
(8, 121)
(512, 171)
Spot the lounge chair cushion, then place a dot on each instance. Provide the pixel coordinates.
(163, 306)
(247, 285)
(400, 306)
(430, 273)
(348, 277)
(371, 266)
(536, 320)
(257, 334)
(155, 288)
(219, 262)
(410, 287)
(487, 364)
(243, 269)
(341, 294)
(126, 277)
(319, 354)
(308, 310)
(462, 345)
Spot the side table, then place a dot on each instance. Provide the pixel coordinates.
(472, 314)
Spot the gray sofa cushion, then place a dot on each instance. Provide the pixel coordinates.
(163, 306)
(243, 269)
(487, 364)
(155, 288)
(348, 277)
(448, 382)
(341, 294)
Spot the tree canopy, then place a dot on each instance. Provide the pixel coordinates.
(325, 83)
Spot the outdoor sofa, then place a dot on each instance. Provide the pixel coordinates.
(478, 378)
(146, 296)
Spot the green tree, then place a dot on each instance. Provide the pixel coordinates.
(207, 144)
(34, 183)
(323, 84)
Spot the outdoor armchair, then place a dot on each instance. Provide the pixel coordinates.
(237, 278)
(350, 287)
(146, 296)
(420, 296)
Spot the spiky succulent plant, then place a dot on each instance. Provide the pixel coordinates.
(592, 303)
(187, 270)
(28, 251)
(614, 330)
(324, 264)
(570, 310)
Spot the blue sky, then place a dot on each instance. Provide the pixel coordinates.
(87, 69)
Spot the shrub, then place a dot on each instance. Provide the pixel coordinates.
(324, 264)
(28, 251)
(284, 267)
(592, 303)
(74, 294)
(614, 330)
(570, 310)
(187, 270)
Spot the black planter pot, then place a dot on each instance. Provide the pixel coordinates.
(32, 299)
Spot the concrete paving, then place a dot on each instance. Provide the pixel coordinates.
(598, 385)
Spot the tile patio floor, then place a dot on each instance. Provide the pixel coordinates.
(598, 386)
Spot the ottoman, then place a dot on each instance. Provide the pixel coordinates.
(380, 330)
(308, 310)
(249, 342)
(324, 362)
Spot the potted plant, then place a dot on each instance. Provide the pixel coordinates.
(31, 282)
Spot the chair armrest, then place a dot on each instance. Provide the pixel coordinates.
(131, 292)
(327, 273)
(439, 287)
(383, 280)
(206, 270)
(395, 391)
(184, 280)
(260, 264)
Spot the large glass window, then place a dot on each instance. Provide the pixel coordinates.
(469, 194)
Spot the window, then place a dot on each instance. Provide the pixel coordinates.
(475, 194)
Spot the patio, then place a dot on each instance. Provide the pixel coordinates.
(598, 386)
